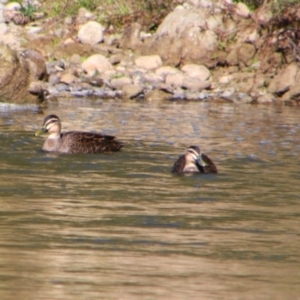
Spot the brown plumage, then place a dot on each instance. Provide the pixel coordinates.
(194, 161)
(75, 141)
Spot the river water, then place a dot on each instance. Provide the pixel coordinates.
(121, 226)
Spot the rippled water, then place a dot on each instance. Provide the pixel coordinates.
(121, 226)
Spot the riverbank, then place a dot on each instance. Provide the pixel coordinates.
(201, 51)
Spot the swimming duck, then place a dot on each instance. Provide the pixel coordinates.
(194, 161)
(75, 141)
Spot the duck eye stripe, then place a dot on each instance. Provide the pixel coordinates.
(50, 122)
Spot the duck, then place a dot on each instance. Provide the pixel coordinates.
(75, 141)
(194, 161)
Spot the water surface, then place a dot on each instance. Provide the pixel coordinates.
(121, 226)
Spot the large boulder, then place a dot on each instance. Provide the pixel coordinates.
(185, 36)
(282, 82)
(16, 74)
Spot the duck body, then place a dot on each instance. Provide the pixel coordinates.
(193, 161)
(75, 141)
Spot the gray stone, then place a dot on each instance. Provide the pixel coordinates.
(132, 91)
(184, 36)
(3, 29)
(242, 10)
(164, 71)
(119, 83)
(148, 62)
(130, 38)
(112, 40)
(53, 79)
(228, 94)
(196, 71)
(68, 78)
(245, 54)
(292, 94)
(2, 19)
(175, 80)
(195, 84)
(96, 62)
(284, 80)
(266, 98)
(153, 78)
(91, 33)
(15, 77)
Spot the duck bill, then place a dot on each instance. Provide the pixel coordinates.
(40, 132)
(200, 162)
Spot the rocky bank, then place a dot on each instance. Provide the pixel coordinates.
(203, 50)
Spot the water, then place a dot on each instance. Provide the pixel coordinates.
(121, 226)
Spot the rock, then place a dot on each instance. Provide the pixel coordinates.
(175, 80)
(69, 41)
(12, 13)
(112, 40)
(66, 50)
(215, 22)
(62, 87)
(266, 98)
(284, 80)
(292, 94)
(226, 79)
(37, 64)
(107, 75)
(68, 78)
(158, 95)
(2, 19)
(245, 54)
(15, 77)
(119, 83)
(250, 35)
(130, 38)
(183, 36)
(244, 98)
(242, 10)
(10, 10)
(148, 62)
(196, 71)
(195, 84)
(91, 33)
(228, 94)
(96, 62)
(164, 71)
(115, 59)
(36, 88)
(75, 59)
(53, 79)
(83, 15)
(176, 22)
(263, 15)
(3, 29)
(153, 78)
(94, 81)
(232, 57)
(132, 91)
(55, 66)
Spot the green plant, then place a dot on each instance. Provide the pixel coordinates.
(28, 10)
(252, 4)
(88, 4)
(117, 75)
(222, 45)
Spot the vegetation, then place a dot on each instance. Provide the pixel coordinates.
(149, 13)
(276, 5)
(116, 14)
